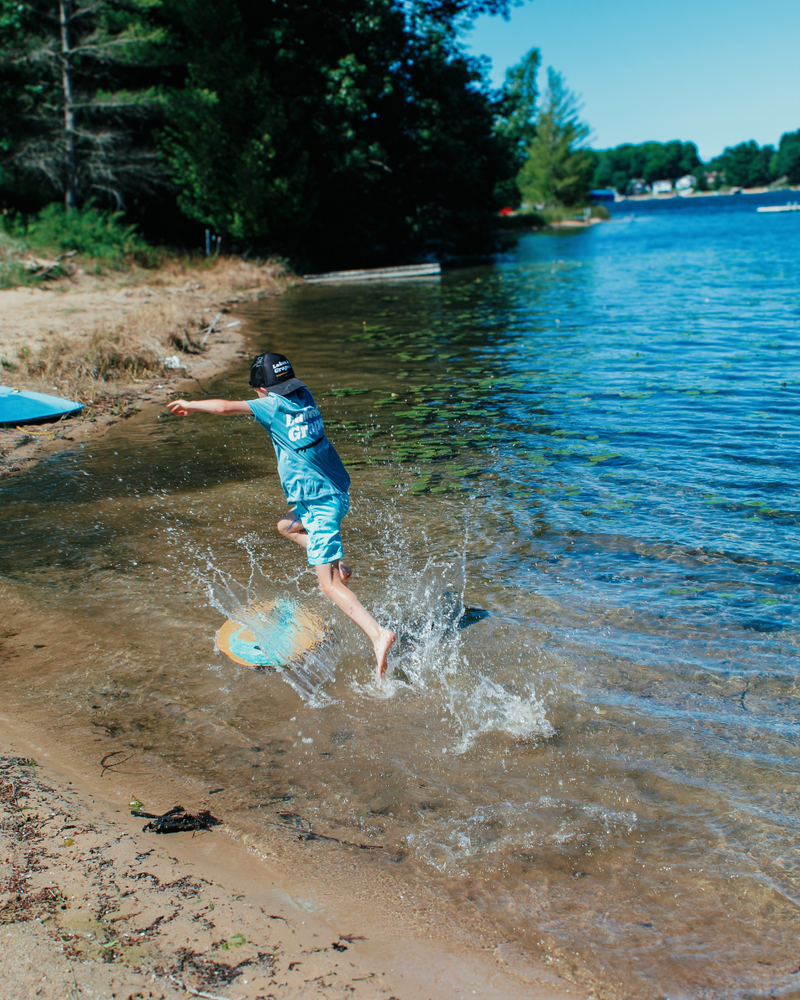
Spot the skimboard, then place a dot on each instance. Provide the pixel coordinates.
(276, 633)
(19, 407)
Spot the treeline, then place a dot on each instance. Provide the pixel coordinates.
(330, 131)
(341, 132)
(745, 165)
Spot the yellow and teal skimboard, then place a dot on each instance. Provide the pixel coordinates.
(270, 634)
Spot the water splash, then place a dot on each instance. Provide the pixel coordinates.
(490, 832)
(433, 655)
(289, 633)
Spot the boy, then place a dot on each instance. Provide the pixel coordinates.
(313, 477)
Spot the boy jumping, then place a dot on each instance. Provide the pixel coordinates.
(312, 476)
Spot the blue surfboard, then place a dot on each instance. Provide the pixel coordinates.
(20, 407)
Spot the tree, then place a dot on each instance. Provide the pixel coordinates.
(82, 106)
(326, 130)
(745, 165)
(515, 123)
(557, 170)
(786, 162)
(341, 130)
(648, 161)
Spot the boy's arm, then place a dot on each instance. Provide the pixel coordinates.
(222, 407)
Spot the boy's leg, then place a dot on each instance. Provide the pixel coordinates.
(333, 586)
(291, 527)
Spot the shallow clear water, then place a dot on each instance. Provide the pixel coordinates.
(595, 440)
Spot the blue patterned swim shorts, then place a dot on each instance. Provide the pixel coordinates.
(322, 518)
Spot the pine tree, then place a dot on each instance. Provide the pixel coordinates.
(515, 123)
(557, 171)
(83, 103)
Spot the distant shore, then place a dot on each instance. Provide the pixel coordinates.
(702, 194)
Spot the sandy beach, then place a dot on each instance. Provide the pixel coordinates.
(54, 337)
(91, 905)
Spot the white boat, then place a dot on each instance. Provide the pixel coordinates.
(793, 206)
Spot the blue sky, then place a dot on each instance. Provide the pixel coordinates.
(701, 71)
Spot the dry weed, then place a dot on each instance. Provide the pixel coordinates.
(101, 357)
(222, 275)
(81, 363)
(86, 366)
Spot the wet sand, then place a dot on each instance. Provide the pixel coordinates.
(90, 905)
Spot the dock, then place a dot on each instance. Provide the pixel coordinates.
(791, 207)
(401, 273)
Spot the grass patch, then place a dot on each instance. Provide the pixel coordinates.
(13, 272)
(101, 240)
(92, 364)
(563, 213)
(99, 235)
(94, 358)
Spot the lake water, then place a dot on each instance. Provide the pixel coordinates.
(575, 498)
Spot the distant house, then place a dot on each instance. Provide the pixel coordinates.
(662, 187)
(638, 186)
(685, 183)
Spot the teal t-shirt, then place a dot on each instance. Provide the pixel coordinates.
(308, 465)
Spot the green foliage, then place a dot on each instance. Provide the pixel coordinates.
(80, 96)
(786, 162)
(13, 275)
(516, 118)
(745, 165)
(332, 131)
(93, 233)
(558, 170)
(515, 123)
(337, 130)
(648, 161)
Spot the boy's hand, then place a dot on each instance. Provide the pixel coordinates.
(180, 407)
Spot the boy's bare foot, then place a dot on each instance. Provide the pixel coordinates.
(345, 572)
(382, 645)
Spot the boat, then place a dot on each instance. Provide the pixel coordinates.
(20, 407)
(400, 273)
(793, 206)
(603, 194)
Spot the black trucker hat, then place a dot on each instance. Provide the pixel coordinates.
(273, 372)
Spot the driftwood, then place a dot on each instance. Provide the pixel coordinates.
(210, 330)
(199, 993)
(43, 267)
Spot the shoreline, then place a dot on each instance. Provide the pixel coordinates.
(119, 912)
(166, 310)
(91, 905)
(704, 194)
